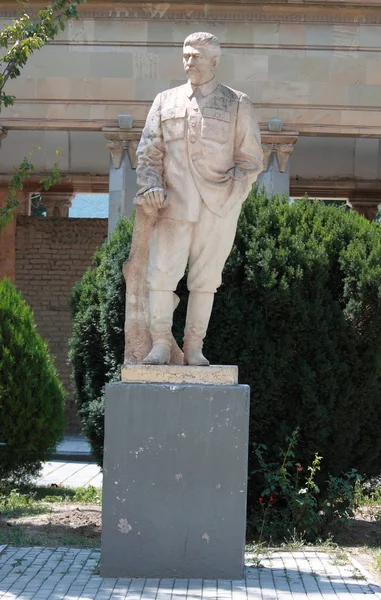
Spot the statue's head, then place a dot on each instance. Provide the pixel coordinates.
(201, 55)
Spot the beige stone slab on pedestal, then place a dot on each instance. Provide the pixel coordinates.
(213, 375)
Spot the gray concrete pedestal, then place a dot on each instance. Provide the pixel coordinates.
(174, 486)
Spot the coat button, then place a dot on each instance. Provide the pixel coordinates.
(192, 139)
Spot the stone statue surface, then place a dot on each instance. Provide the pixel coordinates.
(198, 157)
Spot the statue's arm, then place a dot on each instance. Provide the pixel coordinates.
(150, 154)
(248, 154)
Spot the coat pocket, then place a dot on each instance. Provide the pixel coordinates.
(173, 123)
(215, 124)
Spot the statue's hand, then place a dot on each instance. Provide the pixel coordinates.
(155, 198)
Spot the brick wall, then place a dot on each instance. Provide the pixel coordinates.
(51, 255)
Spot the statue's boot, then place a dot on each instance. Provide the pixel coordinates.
(200, 306)
(161, 316)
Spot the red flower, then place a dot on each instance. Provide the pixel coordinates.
(299, 467)
(273, 498)
(260, 499)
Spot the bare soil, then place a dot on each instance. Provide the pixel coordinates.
(80, 525)
(60, 523)
(86, 520)
(362, 531)
(362, 537)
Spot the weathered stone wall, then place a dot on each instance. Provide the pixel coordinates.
(51, 255)
(315, 65)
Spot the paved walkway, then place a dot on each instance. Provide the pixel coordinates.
(72, 466)
(73, 447)
(71, 574)
(70, 474)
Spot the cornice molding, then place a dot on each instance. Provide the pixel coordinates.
(224, 45)
(368, 189)
(320, 188)
(132, 104)
(305, 127)
(331, 12)
(69, 183)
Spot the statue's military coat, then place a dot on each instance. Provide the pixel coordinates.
(201, 144)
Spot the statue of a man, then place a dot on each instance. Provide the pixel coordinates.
(199, 155)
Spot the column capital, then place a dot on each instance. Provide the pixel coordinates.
(119, 140)
(281, 143)
(57, 204)
(365, 206)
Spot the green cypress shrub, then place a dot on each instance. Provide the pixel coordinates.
(31, 395)
(298, 312)
(97, 344)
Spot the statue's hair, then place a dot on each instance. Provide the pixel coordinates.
(202, 38)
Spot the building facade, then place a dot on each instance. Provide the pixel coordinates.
(311, 68)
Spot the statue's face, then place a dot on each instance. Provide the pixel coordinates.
(199, 64)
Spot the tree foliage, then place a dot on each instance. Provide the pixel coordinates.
(31, 395)
(299, 312)
(27, 34)
(21, 39)
(21, 174)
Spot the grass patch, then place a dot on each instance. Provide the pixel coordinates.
(32, 500)
(340, 557)
(15, 504)
(88, 495)
(32, 516)
(378, 560)
(16, 536)
(82, 495)
(365, 497)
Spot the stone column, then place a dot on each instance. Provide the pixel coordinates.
(8, 236)
(57, 204)
(122, 143)
(277, 147)
(365, 206)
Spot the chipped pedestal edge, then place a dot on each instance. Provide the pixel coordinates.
(174, 480)
(213, 375)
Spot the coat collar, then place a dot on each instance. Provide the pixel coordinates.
(205, 88)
